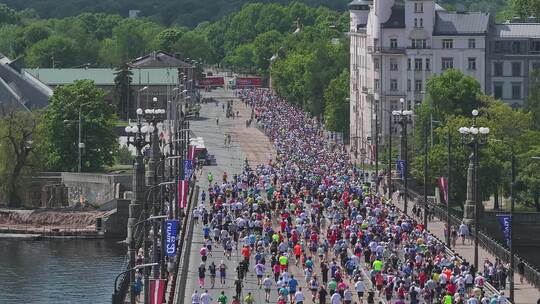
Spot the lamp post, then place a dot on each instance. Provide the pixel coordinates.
(115, 299)
(376, 97)
(474, 137)
(448, 181)
(426, 207)
(403, 118)
(139, 142)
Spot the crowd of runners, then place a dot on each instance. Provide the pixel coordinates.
(312, 231)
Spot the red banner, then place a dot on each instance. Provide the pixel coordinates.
(157, 291)
(248, 82)
(443, 185)
(191, 152)
(211, 82)
(183, 189)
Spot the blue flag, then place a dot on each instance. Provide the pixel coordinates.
(171, 227)
(400, 164)
(188, 168)
(506, 224)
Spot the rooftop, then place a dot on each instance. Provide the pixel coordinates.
(452, 23)
(518, 30)
(397, 18)
(159, 59)
(105, 77)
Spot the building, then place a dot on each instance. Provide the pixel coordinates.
(514, 51)
(396, 46)
(21, 89)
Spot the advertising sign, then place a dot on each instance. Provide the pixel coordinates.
(171, 227)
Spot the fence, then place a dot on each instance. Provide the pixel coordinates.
(531, 274)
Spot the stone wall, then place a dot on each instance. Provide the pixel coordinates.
(114, 223)
(94, 188)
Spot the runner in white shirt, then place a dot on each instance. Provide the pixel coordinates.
(299, 296)
(336, 298)
(267, 284)
(206, 298)
(195, 298)
(360, 288)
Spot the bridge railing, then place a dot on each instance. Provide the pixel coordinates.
(531, 274)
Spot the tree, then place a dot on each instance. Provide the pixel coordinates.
(526, 8)
(59, 132)
(167, 38)
(532, 102)
(123, 95)
(17, 130)
(195, 46)
(8, 15)
(336, 115)
(265, 46)
(55, 51)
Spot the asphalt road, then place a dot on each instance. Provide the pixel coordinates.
(229, 159)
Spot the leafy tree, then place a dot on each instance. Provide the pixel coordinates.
(526, 8)
(59, 132)
(336, 115)
(532, 102)
(167, 39)
(35, 32)
(265, 46)
(57, 51)
(17, 132)
(8, 15)
(123, 94)
(243, 59)
(10, 43)
(195, 46)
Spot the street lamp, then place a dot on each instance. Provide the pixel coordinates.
(80, 144)
(403, 118)
(474, 137)
(139, 142)
(115, 299)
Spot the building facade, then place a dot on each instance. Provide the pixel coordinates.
(396, 46)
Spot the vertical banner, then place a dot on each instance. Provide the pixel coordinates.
(188, 169)
(183, 189)
(171, 227)
(443, 185)
(506, 224)
(372, 147)
(157, 291)
(191, 152)
(400, 164)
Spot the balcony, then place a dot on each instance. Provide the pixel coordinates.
(386, 50)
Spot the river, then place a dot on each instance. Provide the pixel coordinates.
(59, 271)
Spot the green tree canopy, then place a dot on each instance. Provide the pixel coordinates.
(336, 98)
(55, 50)
(58, 128)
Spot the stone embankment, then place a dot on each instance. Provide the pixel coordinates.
(54, 222)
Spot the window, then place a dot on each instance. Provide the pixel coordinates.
(428, 64)
(447, 63)
(472, 63)
(393, 105)
(393, 85)
(447, 44)
(498, 89)
(393, 64)
(516, 90)
(516, 68)
(418, 7)
(409, 64)
(418, 64)
(415, 22)
(516, 47)
(393, 43)
(376, 64)
(408, 85)
(535, 46)
(499, 47)
(418, 85)
(421, 22)
(497, 69)
(418, 43)
(377, 84)
(472, 43)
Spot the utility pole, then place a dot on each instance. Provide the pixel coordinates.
(80, 145)
(426, 207)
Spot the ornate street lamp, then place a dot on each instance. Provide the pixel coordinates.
(403, 118)
(474, 137)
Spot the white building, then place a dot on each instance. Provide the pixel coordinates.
(395, 48)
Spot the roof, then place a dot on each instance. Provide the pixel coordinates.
(20, 88)
(105, 77)
(159, 59)
(450, 23)
(397, 18)
(518, 30)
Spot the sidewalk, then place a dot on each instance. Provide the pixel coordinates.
(524, 293)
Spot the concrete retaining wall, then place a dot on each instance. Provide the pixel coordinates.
(95, 188)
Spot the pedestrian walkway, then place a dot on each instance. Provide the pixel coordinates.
(524, 293)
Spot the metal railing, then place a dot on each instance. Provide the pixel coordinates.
(531, 273)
